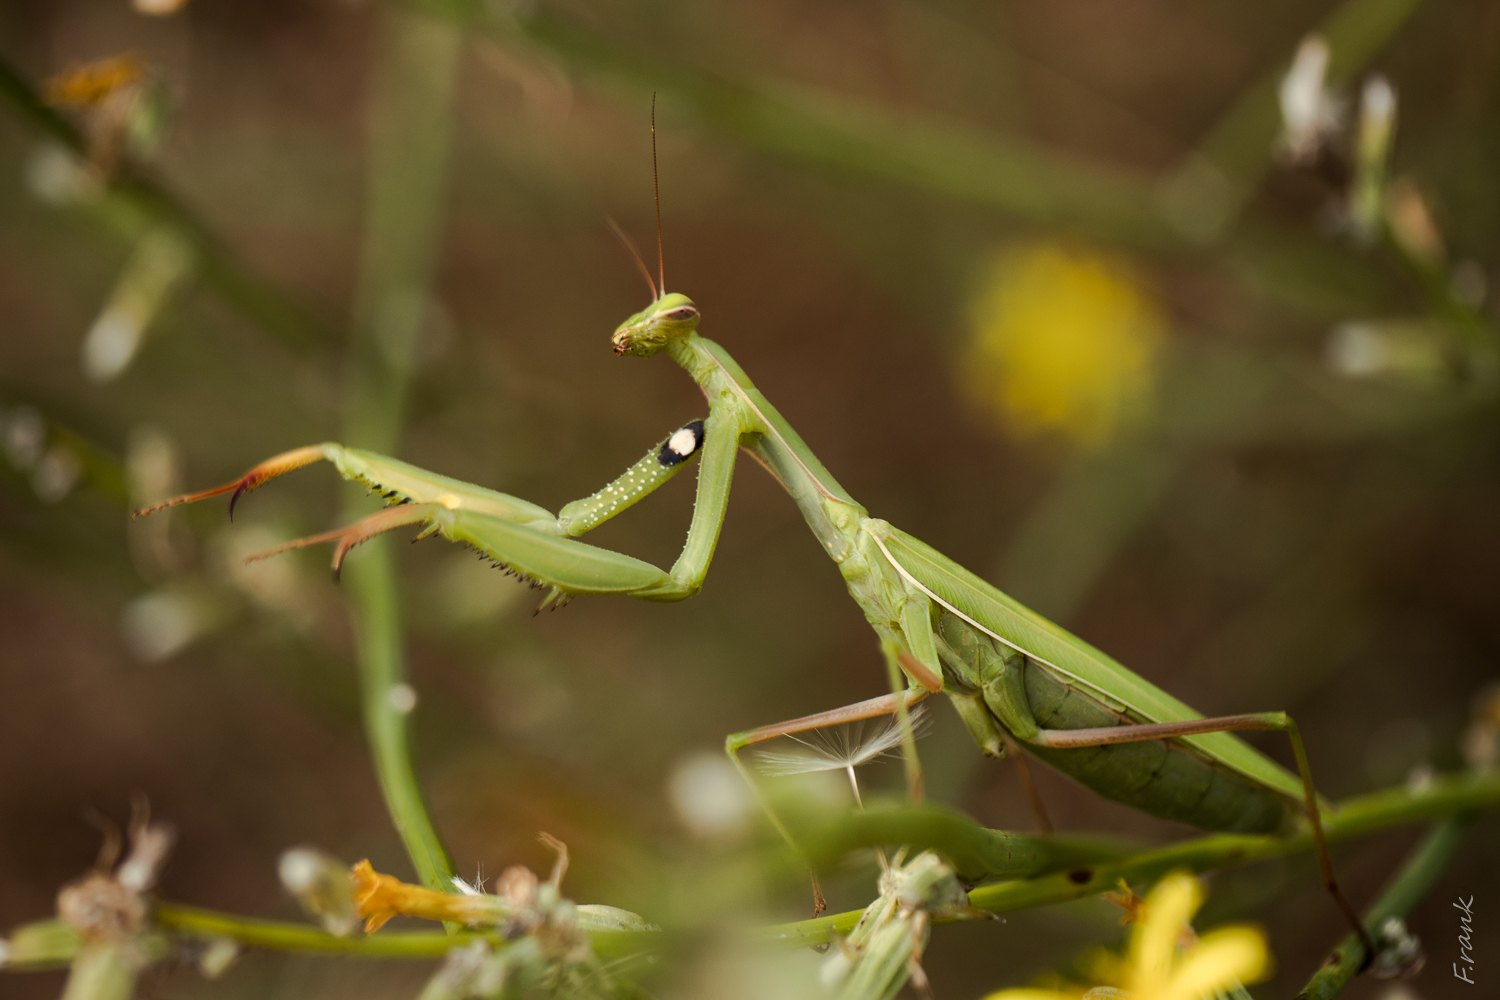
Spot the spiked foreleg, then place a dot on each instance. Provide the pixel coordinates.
(278, 465)
(569, 567)
(524, 539)
(396, 480)
(721, 442)
(360, 531)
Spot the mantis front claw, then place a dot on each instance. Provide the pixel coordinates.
(525, 540)
(278, 465)
(360, 531)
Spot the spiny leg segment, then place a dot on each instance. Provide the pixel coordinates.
(515, 535)
(366, 528)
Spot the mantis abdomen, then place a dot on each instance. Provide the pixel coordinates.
(1160, 777)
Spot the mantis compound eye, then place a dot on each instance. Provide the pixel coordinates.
(682, 314)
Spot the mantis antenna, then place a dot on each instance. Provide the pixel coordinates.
(661, 261)
(657, 291)
(629, 245)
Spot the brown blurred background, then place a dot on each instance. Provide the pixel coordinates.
(865, 201)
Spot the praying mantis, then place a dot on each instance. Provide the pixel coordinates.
(1013, 676)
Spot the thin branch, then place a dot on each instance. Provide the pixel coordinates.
(411, 120)
(1451, 795)
(1459, 795)
(281, 935)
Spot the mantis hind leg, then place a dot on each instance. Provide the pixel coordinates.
(886, 704)
(1280, 721)
(1028, 786)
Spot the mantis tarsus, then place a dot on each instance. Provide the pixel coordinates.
(1011, 674)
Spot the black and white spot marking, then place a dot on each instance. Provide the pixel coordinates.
(681, 445)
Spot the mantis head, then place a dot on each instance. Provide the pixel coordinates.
(671, 317)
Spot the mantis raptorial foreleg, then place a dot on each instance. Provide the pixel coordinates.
(522, 537)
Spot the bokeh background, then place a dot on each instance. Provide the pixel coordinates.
(1032, 280)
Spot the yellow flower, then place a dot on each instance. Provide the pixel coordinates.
(1164, 960)
(1063, 340)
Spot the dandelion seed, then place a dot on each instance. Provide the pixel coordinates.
(474, 888)
(844, 748)
(841, 748)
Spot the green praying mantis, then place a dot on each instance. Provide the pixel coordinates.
(1012, 675)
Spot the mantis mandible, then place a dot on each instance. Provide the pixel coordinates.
(1012, 675)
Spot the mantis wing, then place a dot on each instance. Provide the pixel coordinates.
(1017, 626)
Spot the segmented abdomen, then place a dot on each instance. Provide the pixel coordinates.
(1155, 776)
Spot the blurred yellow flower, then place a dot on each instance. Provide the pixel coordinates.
(1165, 960)
(1063, 340)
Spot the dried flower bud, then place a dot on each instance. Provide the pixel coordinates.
(1481, 740)
(150, 843)
(1377, 126)
(379, 897)
(517, 885)
(322, 885)
(110, 906)
(100, 908)
(1308, 112)
(1401, 955)
(218, 956)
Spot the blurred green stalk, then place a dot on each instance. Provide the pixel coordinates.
(46, 944)
(1447, 796)
(279, 935)
(1194, 204)
(411, 116)
(1423, 868)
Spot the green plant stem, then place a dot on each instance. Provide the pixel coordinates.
(1448, 796)
(1454, 796)
(63, 943)
(148, 204)
(280, 935)
(1423, 867)
(409, 137)
(977, 854)
(1008, 173)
